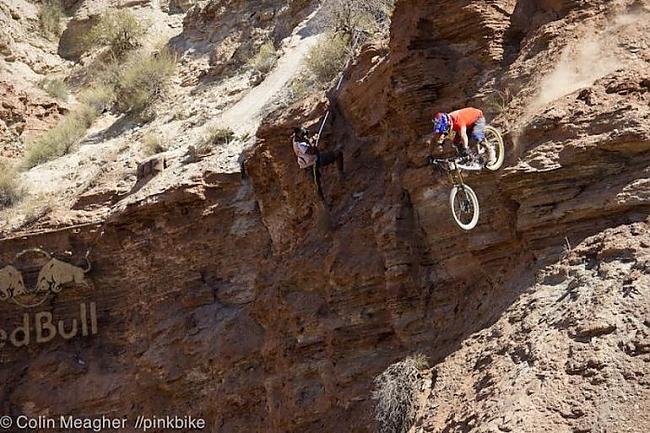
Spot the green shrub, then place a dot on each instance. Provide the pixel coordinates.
(396, 391)
(49, 18)
(119, 30)
(143, 80)
(11, 190)
(152, 144)
(100, 97)
(327, 58)
(266, 58)
(61, 139)
(55, 87)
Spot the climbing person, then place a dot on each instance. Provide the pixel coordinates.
(459, 126)
(311, 159)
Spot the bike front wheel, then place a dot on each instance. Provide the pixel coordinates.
(464, 206)
(495, 141)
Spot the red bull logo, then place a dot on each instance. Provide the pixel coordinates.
(42, 327)
(33, 278)
(53, 276)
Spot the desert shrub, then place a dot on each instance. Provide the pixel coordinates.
(396, 392)
(55, 87)
(362, 18)
(498, 101)
(214, 137)
(49, 17)
(119, 30)
(61, 139)
(143, 80)
(327, 58)
(266, 58)
(11, 190)
(152, 144)
(100, 97)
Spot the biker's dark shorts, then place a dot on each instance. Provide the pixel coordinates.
(324, 158)
(478, 130)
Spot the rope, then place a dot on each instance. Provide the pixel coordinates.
(355, 42)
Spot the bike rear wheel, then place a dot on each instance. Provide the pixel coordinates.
(464, 206)
(493, 139)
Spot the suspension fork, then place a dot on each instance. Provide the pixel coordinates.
(456, 178)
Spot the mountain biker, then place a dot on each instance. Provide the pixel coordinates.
(311, 159)
(459, 126)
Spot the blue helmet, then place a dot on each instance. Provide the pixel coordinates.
(441, 123)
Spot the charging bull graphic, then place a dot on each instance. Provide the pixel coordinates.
(57, 273)
(52, 277)
(11, 283)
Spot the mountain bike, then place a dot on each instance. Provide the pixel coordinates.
(462, 199)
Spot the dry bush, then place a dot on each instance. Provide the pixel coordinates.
(396, 392)
(119, 30)
(362, 18)
(49, 18)
(498, 101)
(265, 59)
(61, 139)
(144, 80)
(327, 58)
(55, 87)
(214, 137)
(11, 190)
(153, 144)
(101, 97)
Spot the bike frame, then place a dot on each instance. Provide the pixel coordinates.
(454, 173)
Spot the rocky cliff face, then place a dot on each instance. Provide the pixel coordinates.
(25, 109)
(245, 302)
(231, 32)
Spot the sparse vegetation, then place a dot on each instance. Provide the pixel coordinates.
(11, 190)
(300, 87)
(143, 80)
(396, 392)
(119, 30)
(266, 58)
(49, 18)
(360, 18)
(152, 144)
(327, 58)
(99, 97)
(214, 137)
(498, 101)
(61, 139)
(55, 87)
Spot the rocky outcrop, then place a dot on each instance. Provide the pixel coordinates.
(569, 355)
(25, 109)
(24, 114)
(230, 32)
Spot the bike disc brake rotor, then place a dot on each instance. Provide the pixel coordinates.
(465, 207)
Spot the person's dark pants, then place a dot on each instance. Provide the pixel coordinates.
(323, 159)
